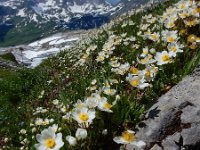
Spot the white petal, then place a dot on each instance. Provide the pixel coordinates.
(144, 85)
(40, 147)
(39, 138)
(139, 144)
(119, 140)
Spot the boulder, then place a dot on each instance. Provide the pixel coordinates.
(173, 123)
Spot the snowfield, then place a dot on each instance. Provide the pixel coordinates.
(33, 54)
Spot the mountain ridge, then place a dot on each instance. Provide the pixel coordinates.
(30, 20)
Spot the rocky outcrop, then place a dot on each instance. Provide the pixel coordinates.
(8, 64)
(173, 123)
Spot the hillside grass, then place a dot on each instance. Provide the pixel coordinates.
(103, 65)
(23, 34)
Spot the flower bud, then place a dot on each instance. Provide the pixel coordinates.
(81, 133)
(72, 141)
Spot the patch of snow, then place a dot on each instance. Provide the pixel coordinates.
(21, 13)
(34, 18)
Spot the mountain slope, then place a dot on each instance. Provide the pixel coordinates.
(38, 18)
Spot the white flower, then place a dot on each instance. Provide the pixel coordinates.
(63, 109)
(38, 121)
(48, 140)
(154, 37)
(109, 91)
(128, 137)
(54, 128)
(105, 106)
(46, 121)
(33, 130)
(91, 102)
(101, 56)
(170, 36)
(55, 102)
(22, 131)
(174, 48)
(147, 60)
(162, 58)
(79, 104)
(94, 82)
(145, 52)
(81, 133)
(122, 69)
(83, 115)
(114, 63)
(170, 23)
(149, 72)
(182, 5)
(105, 132)
(137, 81)
(72, 140)
(97, 96)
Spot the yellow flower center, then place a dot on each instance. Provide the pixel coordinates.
(193, 46)
(145, 52)
(135, 83)
(154, 37)
(85, 56)
(170, 39)
(100, 58)
(183, 15)
(84, 116)
(171, 24)
(182, 31)
(129, 137)
(198, 9)
(50, 143)
(192, 38)
(165, 57)
(191, 22)
(182, 6)
(148, 73)
(134, 70)
(107, 105)
(143, 60)
(174, 49)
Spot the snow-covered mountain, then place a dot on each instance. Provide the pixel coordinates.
(29, 20)
(45, 10)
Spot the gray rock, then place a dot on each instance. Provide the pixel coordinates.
(170, 142)
(156, 147)
(174, 121)
(191, 135)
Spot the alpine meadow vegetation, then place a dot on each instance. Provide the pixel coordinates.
(94, 95)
